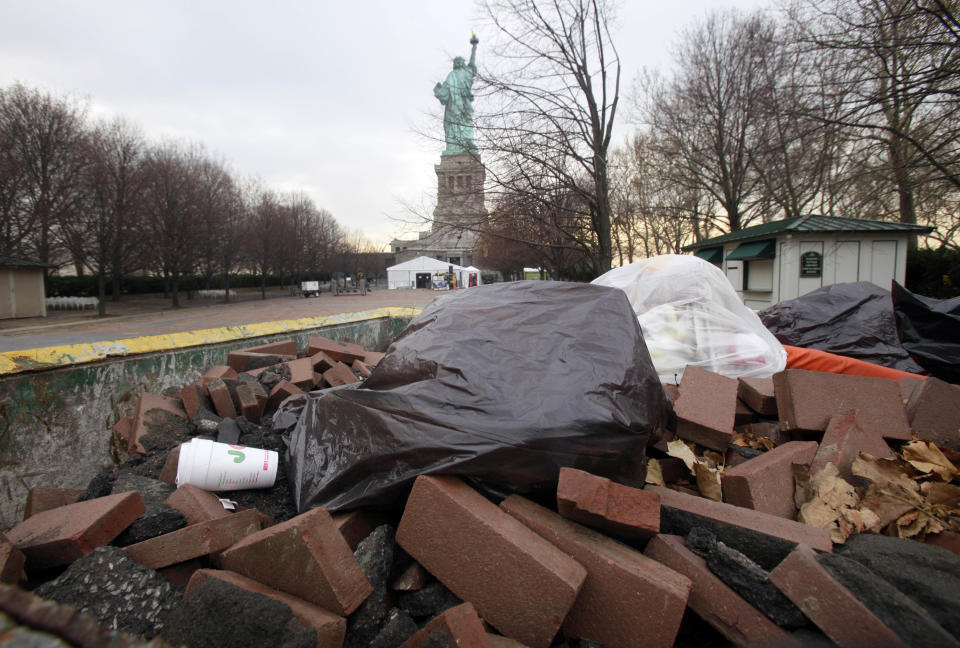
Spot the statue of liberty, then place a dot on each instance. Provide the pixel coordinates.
(457, 100)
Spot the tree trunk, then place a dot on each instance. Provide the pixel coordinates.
(101, 294)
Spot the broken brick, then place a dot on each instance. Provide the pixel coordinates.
(934, 413)
(218, 372)
(361, 368)
(12, 561)
(467, 543)
(61, 535)
(463, 628)
(305, 556)
(758, 394)
(301, 373)
(767, 539)
(355, 525)
(765, 483)
(196, 504)
(372, 358)
(222, 401)
(706, 408)
(251, 361)
(329, 627)
(339, 374)
(193, 398)
(43, 498)
(618, 510)
(627, 600)
(124, 429)
(181, 573)
(830, 605)
(250, 406)
(168, 474)
(743, 414)
(281, 392)
(341, 351)
(843, 442)
(193, 541)
(713, 600)
(807, 400)
(145, 414)
(321, 361)
(413, 578)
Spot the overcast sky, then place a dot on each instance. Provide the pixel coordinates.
(321, 97)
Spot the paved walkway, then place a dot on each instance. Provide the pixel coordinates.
(148, 316)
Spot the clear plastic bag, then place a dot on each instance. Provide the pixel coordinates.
(691, 315)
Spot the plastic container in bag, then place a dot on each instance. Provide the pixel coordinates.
(691, 315)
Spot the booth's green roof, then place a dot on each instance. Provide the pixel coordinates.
(812, 224)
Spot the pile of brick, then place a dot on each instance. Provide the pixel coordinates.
(765, 520)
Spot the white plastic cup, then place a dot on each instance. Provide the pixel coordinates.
(216, 466)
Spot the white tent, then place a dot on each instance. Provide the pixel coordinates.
(418, 273)
(469, 277)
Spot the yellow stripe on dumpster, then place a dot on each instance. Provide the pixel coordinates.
(12, 362)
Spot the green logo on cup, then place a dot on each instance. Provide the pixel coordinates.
(238, 456)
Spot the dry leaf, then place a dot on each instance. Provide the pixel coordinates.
(917, 523)
(832, 504)
(741, 440)
(938, 494)
(708, 481)
(765, 444)
(802, 492)
(654, 473)
(682, 451)
(886, 506)
(889, 475)
(717, 458)
(927, 458)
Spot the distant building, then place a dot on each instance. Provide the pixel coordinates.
(785, 259)
(22, 291)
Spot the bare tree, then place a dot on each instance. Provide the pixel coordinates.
(552, 93)
(42, 144)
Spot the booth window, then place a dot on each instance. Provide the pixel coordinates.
(757, 258)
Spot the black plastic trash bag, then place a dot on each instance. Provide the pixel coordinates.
(505, 383)
(930, 330)
(849, 319)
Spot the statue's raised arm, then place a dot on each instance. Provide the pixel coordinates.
(457, 98)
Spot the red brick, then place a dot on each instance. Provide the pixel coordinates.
(244, 360)
(946, 539)
(218, 371)
(807, 400)
(844, 440)
(124, 430)
(520, 583)
(61, 535)
(743, 414)
(222, 402)
(462, 626)
(765, 483)
(413, 578)
(282, 347)
(713, 600)
(499, 641)
(193, 398)
(144, 415)
(250, 406)
(261, 394)
(281, 392)
(361, 368)
(618, 510)
(758, 394)
(934, 413)
(12, 561)
(201, 539)
(907, 386)
(340, 374)
(627, 599)
(168, 474)
(330, 628)
(321, 361)
(305, 556)
(43, 498)
(196, 504)
(372, 358)
(356, 525)
(342, 351)
(301, 373)
(831, 606)
(777, 527)
(181, 573)
(706, 408)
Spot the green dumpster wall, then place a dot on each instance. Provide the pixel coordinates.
(55, 424)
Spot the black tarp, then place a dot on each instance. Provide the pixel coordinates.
(504, 383)
(850, 319)
(930, 331)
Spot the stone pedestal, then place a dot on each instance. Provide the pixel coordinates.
(460, 181)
